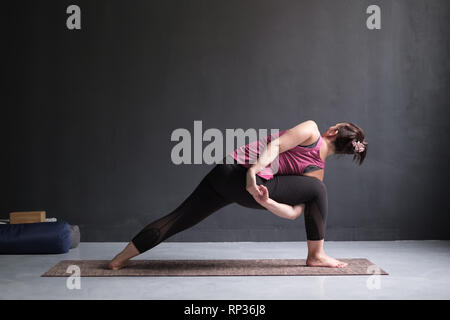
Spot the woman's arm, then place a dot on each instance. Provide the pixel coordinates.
(291, 138)
(284, 210)
(280, 209)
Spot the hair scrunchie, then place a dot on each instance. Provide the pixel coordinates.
(358, 146)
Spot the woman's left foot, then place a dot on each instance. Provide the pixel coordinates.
(121, 259)
(324, 261)
(117, 264)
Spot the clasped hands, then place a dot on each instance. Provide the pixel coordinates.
(261, 195)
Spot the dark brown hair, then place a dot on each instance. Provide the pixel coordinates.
(347, 134)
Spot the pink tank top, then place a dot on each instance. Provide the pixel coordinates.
(290, 162)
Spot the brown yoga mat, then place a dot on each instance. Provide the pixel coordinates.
(242, 267)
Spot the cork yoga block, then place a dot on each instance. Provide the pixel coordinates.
(26, 217)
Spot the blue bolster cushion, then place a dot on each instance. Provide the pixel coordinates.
(40, 238)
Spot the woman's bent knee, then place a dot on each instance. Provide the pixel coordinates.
(319, 188)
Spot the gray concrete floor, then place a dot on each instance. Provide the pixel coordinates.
(417, 270)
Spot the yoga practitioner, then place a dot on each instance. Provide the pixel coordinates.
(294, 187)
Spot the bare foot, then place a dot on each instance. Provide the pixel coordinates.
(117, 263)
(121, 259)
(324, 261)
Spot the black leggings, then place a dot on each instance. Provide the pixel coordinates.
(225, 184)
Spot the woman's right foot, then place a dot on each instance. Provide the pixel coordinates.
(324, 261)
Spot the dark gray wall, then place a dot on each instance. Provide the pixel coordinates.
(87, 115)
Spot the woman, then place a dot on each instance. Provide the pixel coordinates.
(293, 187)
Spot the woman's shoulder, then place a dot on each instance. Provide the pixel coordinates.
(310, 125)
(311, 128)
